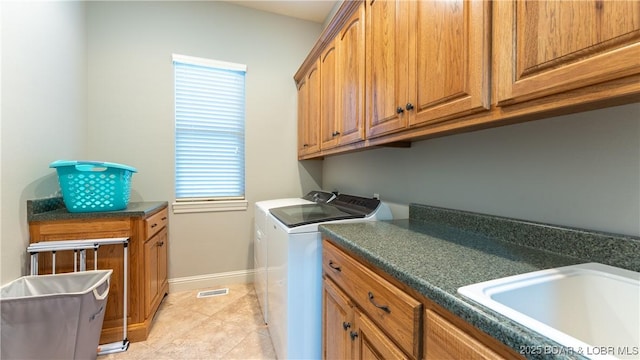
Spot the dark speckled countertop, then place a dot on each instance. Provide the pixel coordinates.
(438, 250)
(53, 209)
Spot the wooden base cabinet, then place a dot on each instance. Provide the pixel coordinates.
(155, 262)
(372, 343)
(147, 250)
(378, 317)
(391, 325)
(445, 341)
(350, 334)
(337, 322)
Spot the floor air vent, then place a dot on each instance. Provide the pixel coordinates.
(210, 293)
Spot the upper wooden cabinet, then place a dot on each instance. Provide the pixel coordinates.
(351, 78)
(549, 47)
(309, 111)
(387, 66)
(427, 61)
(450, 66)
(329, 90)
(436, 68)
(342, 85)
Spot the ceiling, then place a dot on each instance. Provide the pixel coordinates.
(311, 10)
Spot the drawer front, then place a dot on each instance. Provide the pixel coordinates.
(394, 311)
(156, 222)
(82, 229)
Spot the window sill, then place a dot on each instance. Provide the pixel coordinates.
(186, 207)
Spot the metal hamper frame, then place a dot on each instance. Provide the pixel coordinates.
(81, 246)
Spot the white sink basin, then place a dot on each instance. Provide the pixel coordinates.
(591, 309)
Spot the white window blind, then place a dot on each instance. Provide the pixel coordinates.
(209, 129)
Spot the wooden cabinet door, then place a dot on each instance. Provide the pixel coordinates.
(313, 120)
(303, 114)
(155, 269)
(337, 323)
(371, 343)
(163, 245)
(387, 34)
(445, 341)
(152, 286)
(309, 112)
(329, 88)
(548, 47)
(351, 67)
(450, 59)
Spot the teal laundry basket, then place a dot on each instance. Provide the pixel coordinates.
(94, 186)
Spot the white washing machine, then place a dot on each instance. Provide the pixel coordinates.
(295, 269)
(260, 254)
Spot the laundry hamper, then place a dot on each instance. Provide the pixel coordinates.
(94, 186)
(53, 316)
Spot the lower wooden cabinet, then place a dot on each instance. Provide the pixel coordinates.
(337, 322)
(350, 334)
(444, 341)
(147, 266)
(155, 276)
(377, 317)
(371, 343)
(392, 324)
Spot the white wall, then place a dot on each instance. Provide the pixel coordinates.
(44, 74)
(580, 170)
(131, 112)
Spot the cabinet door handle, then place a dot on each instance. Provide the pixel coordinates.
(346, 325)
(335, 133)
(353, 334)
(160, 243)
(153, 225)
(164, 218)
(399, 110)
(409, 106)
(334, 266)
(382, 307)
(305, 145)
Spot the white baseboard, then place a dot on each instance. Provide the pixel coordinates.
(211, 280)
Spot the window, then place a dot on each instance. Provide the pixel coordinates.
(209, 131)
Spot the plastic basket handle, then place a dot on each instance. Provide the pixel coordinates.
(92, 166)
(103, 295)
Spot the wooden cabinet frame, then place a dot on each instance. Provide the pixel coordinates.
(309, 112)
(531, 62)
(141, 307)
(376, 309)
(441, 334)
(497, 81)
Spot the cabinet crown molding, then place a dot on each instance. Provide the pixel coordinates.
(339, 20)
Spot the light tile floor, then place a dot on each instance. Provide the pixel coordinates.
(220, 327)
